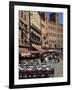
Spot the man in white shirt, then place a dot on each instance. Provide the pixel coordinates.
(46, 59)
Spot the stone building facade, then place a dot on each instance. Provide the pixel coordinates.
(52, 32)
(23, 31)
(36, 32)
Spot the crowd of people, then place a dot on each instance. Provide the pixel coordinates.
(53, 57)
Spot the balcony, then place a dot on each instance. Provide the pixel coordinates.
(23, 43)
(23, 26)
(36, 29)
(35, 41)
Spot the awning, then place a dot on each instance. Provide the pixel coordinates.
(24, 52)
(34, 52)
(39, 49)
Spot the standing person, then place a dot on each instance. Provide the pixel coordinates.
(42, 58)
(46, 59)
